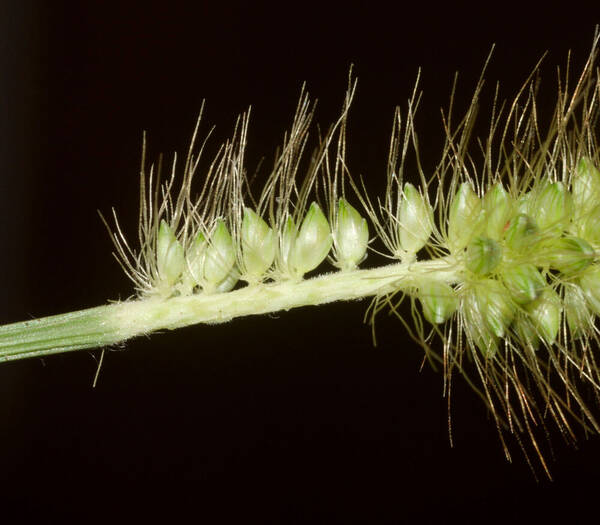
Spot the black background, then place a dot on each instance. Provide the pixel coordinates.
(290, 418)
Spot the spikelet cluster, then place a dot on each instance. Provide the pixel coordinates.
(516, 218)
(520, 222)
(210, 242)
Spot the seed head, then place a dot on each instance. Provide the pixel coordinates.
(520, 227)
(511, 227)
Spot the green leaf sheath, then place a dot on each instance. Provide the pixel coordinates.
(89, 328)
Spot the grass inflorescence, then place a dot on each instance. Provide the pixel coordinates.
(497, 250)
(515, 216)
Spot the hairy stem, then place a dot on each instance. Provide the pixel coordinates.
(115, 323)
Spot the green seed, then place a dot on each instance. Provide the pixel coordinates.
(585, 188)
(194, 256)
(496, 307)
(590, 284)
(351, 236)
(286, 247)
(170, 260)
(523, 203)
(497, 206)
(488, 313)
(439, 301)
(520, 233)
(415, 221)
(589, 226)
(259, 244)
(312, 243)
(483, 255)
(544, 314)
(568, 255)
(524, 282)
(463, 217)
(553, 206)
(220, 255)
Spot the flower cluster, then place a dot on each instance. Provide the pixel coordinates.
(522, 257)
(523, 236)
(209, 243)
(499, 256)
